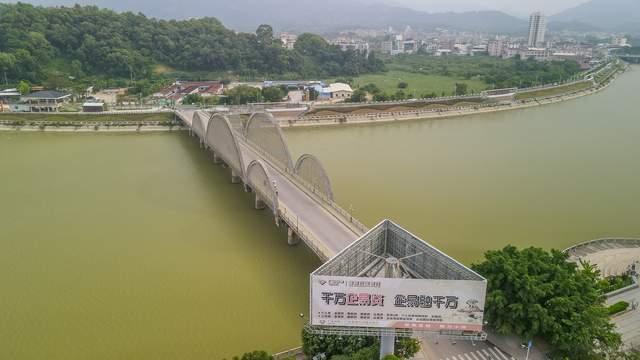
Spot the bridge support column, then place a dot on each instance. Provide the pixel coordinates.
(235, 179)
(259, 204)
(387, 345)
(216, 159)
(292, 237)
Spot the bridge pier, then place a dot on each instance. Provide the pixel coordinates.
(235, 179)
(216, 159)
(292, 237)
(259, 204)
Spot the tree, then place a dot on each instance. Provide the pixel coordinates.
(358, 96)
(461, 89)
(272, 94)
(256, 355)
(24, 88)
(264, 33)
(242, 94)
(56, 80)
(532, 292)
(407, 348)
(7, 64)
(371, 88)
(402, 85)
(192, 99)
(331, 345)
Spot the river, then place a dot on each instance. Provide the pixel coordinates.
(135, 246)
(548, 176)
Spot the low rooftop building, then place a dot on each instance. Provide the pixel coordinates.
(337, 91)
(180, 89)
(45, 100)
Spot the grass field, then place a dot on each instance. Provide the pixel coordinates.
(553, 91)
(419, 84)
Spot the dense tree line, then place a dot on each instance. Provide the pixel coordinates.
(496, 72)
(87, 40)
(535, 293)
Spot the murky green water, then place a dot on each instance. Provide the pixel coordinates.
(548, 176)
(137, 247)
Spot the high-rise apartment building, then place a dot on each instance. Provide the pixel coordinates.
(537, 29)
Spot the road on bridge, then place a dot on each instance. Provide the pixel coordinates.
(311, 214)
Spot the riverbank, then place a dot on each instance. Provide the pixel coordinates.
(381, 117)
(138, 121)
(93, 128)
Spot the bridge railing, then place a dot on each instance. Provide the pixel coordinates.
(305, 234)
(340, 213)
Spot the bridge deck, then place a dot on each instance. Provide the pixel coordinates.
(309, 217)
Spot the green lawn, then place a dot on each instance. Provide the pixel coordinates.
(419, 84)
(553, 91)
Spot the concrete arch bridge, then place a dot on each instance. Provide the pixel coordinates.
(298, 193)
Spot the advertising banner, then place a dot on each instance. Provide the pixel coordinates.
(397, 303)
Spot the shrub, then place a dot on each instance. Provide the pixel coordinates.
(402, 85)
(618, 307)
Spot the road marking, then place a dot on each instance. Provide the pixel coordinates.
(468, 357)
(480, 354)
(474, 356)
(500, 353)
(487, 353)
(497, 357)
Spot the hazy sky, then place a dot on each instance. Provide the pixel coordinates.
(515, 7)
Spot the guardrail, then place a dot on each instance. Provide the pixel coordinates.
(340, 213)
(306, 235)
(291, 353)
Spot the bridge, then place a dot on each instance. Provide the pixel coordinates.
(635, 59)
(299, 193)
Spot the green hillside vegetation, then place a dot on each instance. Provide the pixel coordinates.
(61, 46)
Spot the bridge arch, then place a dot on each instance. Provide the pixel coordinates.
(309, 168)
(263, 131)
(199, 124)
(258, 179)
(220, 138)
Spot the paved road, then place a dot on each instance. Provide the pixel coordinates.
(312, 215)
(628, 324)
(461, 350)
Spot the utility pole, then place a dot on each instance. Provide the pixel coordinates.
(529, 346)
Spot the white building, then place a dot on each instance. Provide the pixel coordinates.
(288, 40)
(346, 43)
(537, 29)
(496, 47)
(337, 91)
(620, 41)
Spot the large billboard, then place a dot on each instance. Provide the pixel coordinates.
(397, 303)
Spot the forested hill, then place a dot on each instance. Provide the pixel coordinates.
(86, 40)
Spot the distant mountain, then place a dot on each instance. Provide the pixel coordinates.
(307, 15)
(619, 15)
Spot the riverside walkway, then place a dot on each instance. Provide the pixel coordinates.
(299, 194)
